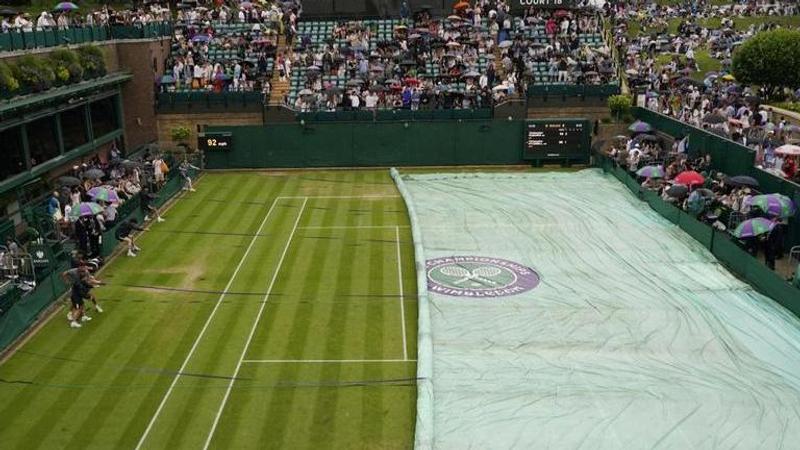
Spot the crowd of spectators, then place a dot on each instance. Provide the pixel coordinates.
(721, 200)
(228, 49)
(478, 55)
(676, 86)
(88, 197)
(64, 19)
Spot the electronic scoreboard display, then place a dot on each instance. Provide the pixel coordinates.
(215, 142)
(567, 139)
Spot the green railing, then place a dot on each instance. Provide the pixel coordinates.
(17, 40)
(720, 243)
(573, 90)
(728, 157)
(206, 100)
(399, 114)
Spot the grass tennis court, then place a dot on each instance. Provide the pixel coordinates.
(313, 344)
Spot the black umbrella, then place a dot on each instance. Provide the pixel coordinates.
(68, 181)
(94, 174)
(742, 180)
(714, 118)
(7, 12)
(677, 191)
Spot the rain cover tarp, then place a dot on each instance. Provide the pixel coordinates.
(635, 336)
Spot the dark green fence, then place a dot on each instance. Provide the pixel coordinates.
(720, 243)
(573, 90)
(727, 157)
(24, 310)
(354, 144)
(400, 114)
(206, 100)
(16, 40)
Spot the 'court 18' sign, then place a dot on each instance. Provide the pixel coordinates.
(479, 276)
(546, 3)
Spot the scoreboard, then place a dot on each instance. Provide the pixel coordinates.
(215, 141)
(557, 139)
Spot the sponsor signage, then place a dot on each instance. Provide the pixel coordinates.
(479, 277)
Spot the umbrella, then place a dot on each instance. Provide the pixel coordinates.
(651, 172)
(505, 44)
(167, 79)
(69, 181)
(246, 5)
(103, 193)
(306, 92)
(94, 174)
(85, 209)
(201, 38)
(714, 118)
(677, 191)
(690, 178)
(699, 199)
(640, 127)
(753, 227)
(742, 181)
(788, 149)
(66, 6)
(792, 128)
(775, 205)
(646, 137)
(355, 82)
(127, 163)
(8, 12)
(728, 77)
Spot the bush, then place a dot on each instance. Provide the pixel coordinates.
(619, 105)
(34, 73)
(92, 61)
(770, 59)
(180, 133)
(66, 65)
(8, 82)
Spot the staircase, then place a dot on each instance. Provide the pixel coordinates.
(279, 88)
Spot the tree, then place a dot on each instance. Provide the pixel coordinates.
(770, 59)
(619, 105)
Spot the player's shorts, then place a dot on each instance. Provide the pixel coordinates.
(77, 300)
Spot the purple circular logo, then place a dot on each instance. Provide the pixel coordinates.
(479, 276)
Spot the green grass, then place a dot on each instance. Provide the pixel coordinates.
(335, 297)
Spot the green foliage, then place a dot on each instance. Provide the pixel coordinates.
(34, 73)
(8, 82)
(92, 61)
(619, 105)
(770, 59)
(791, 106)
(66, 65)
(180, 133)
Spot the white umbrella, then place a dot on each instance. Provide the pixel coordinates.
(788, 149)
(505, 44)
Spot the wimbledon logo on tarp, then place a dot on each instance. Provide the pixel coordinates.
(479, 276)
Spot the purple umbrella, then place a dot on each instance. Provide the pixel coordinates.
(640, 127)
(753, 227)
(201, 38)
(85, 209)
(66, 6)
(103, 193)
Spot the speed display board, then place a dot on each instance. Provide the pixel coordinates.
(215, 142)
(557, 139)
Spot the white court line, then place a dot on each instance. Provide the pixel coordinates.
(336, 227)
(324, 361)
(203, 330)
(333, 197)
(402, 302)
(254, 327)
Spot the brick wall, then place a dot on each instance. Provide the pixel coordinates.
(144, 59)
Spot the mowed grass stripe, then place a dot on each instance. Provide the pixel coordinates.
(297, 273)
(179, 423)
